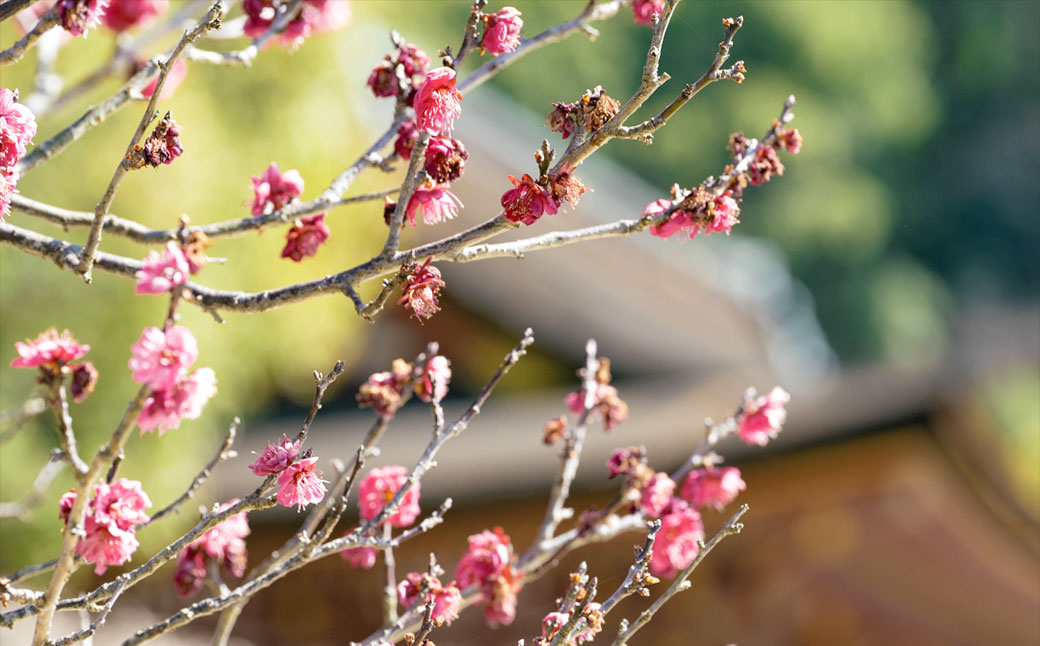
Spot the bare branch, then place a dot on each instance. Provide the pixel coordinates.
(89, 631)
(14, 53)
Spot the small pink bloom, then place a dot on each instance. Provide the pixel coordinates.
(407, 135)
(315, 16)
(676, 544)
(383, 390)
(657, 494)
(17, 128)
(501, 598)
(488, 557)
(644, 10)
(164, 409)
(163, 145)
(164, 271)
(764, 165)
(763, 417)
(437, 103)
(48, 349)
(791, 140)
(273, 189)
(77, 16)
(446, 599)
(716, 487)
(105, 545)
(436, 204)
(606, 402)
(360, 557)
(300, 484)
(173, 81)
(124, 14)
(160, 358)
(380, 486)
(527, 201)
(224, 543)
(445, 159)
(382, 80)
(726, 211)
(190, 573)
(305, 236)
(435, 380)
(421, 290)
(276, 457)
(678, 221)
(502, 31)
(622, 461)
(121, 503)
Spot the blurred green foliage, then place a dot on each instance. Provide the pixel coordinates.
(916, 188)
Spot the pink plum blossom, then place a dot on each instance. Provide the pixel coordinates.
(77, 16)
(445, 159)
(407, 135)
(421, 289)
(435, 380)
(124, 14)
(657, 494)
(300, 484)
(84, 378)
(359, 557)
(502, 31)
(383, 390)
(17, 128)
(622, 461)
(164, 409)
(435, 204)
(437, 103)
(446, 598)
(380, 486)
(7, 183)
(676, 544)
(526, 201)
(48, 349)
(164, 271)
(273, 189)
(606, 402)
(160, 358)
(715, 486)
(276, 457)
(500, 609)
(763, 417)
(489, 554)
(725, 210)
(224, 544)
(643, 10)
(190, 572)
(305, 236)
(791, 140)
(678, 221)
(315, 16)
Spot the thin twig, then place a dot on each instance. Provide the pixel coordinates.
(223, 453)
(89, 631)
(14, 53)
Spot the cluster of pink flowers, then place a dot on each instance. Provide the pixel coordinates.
(715, 215)
(224, 544)
(17, 128)
(305, 236)
(125, 14)
(489, 565)
(160, 360)
(110, 522)
(447, 599)
(528, 200)
(437, 103)
(762, 417)
(421, 289)
(315, 16)
(410, 61)
(77, 16)
(714, 486)
(274, 189)
(502, 31)
(53, 354)
(299, 483)
(380, 486)
(644, 10)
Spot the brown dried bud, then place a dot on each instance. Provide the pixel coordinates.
(389, 206)
(84, 378)
(603, 372)
(598, 108)
(554, 430)
(195, 250)
(161, 147)
(563, 119)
